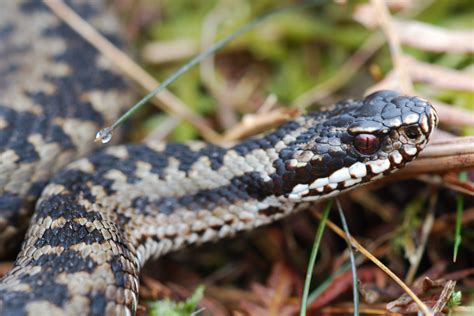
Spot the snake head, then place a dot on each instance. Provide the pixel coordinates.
(357, 141)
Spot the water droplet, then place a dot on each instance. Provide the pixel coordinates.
(104, 135)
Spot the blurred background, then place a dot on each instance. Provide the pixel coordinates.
(302, 59)
(298, 61)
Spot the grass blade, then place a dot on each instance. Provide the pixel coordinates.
(312, 258)
(355, 291)
(106, 132)
(459, 211)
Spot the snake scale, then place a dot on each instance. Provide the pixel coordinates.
(96, 221)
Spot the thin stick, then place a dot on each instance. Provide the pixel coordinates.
(203, 55)
(377, 262)
(352, 65)
(166, 100)
(344, 74)
(394, 44)
(425, 233)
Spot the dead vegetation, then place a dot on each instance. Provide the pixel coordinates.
(408, 221)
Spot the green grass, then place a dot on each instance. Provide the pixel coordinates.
(312, 258)
(170, 308)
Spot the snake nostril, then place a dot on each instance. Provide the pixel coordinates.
(434, 118)
(412, 132)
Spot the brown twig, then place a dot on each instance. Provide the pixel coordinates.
(423, 308)
(449, 147)
(443, 299)
(415, 259)
(373, 203)
(159, 52)
(163, 130)
(445, 223)
(439, 76)
(452, 181)
(355, 62)
(448, 155)
(435, 39)
(225, 111)
(253, 124)
(434, 75)
(343, 75)
(452, 116)
(393, 41)
(166, 100)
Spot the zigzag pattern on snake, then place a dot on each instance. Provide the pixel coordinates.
(99, 219)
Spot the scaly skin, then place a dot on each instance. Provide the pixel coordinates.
(102, 217)
(56, 91)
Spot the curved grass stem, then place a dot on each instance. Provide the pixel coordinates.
(312, 258)
(209, 51)
(355, 292)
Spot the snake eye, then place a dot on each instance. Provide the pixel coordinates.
(366, 144)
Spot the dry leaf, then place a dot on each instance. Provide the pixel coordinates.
(275, 297)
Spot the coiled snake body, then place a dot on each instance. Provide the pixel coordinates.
(102, 217)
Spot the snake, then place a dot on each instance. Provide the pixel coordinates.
(94, 217)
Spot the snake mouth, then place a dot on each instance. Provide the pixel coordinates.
(343, 179)
(433, 118)
(356, 174)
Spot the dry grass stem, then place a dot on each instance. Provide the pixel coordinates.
(169, 51)
(343, 75)
(444, 157)
(389, 82)
(163, 130)
(270, 102)
(253, 124)
(423, 308)
(466, 188)
(449, 147)
(360, 57)
(385, 20)
(425, 233)
(448, 289)
(373, 203)
(364, 309)
(435, 39)
(438, 76)
(166, 100)
(445, 223)
(451, 180)
(451, 115)
(454, 154)
(463, 310)
(226, 113)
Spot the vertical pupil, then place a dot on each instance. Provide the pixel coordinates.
(366, 143)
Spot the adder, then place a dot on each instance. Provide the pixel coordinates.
(97, 220)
